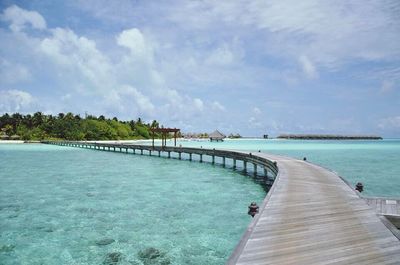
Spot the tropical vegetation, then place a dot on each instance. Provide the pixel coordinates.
(72, 127)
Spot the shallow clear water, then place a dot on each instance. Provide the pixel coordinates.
(61, 205)
(374, 163)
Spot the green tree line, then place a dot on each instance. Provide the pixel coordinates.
(73, 127)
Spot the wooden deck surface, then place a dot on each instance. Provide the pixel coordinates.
(312, 217)
(384, 206)
(390, 208)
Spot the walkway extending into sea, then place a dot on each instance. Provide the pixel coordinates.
(309, 216)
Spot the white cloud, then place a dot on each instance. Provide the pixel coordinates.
(328, 32)
(143, 103)
(198, 103)
(308, 67)
(387, 86)
(19, 18)
(11, 73)
(79, 63)
(221, 56)
(256, 111)
(217, 106)
(134, 40)
(390, 123)
(255, 123)
(14, 100)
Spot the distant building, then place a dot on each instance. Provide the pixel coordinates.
(216, 136)
(265, 136)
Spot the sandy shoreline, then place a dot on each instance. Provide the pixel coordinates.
(134, 141)
(12, 141)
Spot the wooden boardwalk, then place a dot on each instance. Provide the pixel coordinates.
(310, 215)
(390, 208)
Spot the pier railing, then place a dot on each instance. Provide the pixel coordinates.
(270, 169)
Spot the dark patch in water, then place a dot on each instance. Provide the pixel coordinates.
(6, 248)
(44, 228)
(112, 258)
(105, 241)
(150, 256)
(15, 215)
(12, 207)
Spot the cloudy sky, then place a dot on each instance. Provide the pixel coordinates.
(249, 67)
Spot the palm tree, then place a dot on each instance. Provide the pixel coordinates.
(37, 119)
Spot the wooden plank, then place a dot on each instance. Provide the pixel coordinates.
(313, 217)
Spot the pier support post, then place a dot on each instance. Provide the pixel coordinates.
(134, 151)
(223, 161)
(255, 169)
(169, 154)
(201, 158)
(213, 159)
(244, 166)
(265, 172)
(141, 151)
(159, 153)
(190, 156)
(126, 150)
(234, 163)
(180, 155)
(114, 148)
(149, 152)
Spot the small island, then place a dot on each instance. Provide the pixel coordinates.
(328, 137)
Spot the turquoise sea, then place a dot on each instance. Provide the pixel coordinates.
(374, 163)
(61, 205)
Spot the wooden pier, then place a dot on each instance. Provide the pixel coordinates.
(309, 216)
(388, 207)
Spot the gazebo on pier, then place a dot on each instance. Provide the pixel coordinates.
(216, 136)
(164, 133)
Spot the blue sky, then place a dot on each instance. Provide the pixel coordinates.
(249, 67)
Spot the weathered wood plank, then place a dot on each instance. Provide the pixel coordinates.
(313, 217)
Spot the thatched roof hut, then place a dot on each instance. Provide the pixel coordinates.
(216, 136)
(15, 137)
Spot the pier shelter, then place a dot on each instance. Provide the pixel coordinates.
(164, 133)
(216, 136)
